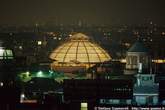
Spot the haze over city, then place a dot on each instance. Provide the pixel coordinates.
(111, 12)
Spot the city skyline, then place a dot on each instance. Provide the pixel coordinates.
(111, 12)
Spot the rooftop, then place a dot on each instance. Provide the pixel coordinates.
(138, 47)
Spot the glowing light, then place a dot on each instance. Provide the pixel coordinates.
(27, 73)
(40, 74)
(1, 51)
(50, 71)
(29, 101)
(20, 47)
(84, 106)
(59, 38)
(39, 42)
(163, 33)
(51, 33)
(54, 38)
(10, 34)
(22, 97)
(127, 44)
(159, 61)
(25, 76)
(1, 84)
(123, 60)
(140, 68)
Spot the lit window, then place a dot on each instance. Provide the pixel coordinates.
(59, 38)
(39, 42)
(84, 106)
(6, 54)
(1, 84)
(20, 47)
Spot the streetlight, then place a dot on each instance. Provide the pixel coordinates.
(1, 84)
(27, 73)
(40, 74)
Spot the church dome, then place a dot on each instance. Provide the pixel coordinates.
(78, 51)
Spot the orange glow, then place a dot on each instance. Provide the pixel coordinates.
(123, 60)
(159, 61)
(29, 101)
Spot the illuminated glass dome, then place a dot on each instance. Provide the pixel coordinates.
(79, 51)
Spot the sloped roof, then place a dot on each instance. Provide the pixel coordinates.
(138, 47)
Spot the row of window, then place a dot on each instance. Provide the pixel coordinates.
(133, 60)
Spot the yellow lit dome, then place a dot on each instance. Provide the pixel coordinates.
(79, 51)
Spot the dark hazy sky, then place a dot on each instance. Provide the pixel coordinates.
(90, 11)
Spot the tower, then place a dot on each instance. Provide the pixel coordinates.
(137, 59)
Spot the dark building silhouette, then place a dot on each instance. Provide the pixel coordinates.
(9, 90)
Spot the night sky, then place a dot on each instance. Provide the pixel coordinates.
(90, 11)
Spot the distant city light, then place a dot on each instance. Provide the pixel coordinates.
(27, 73)
(39, 42)
(123, 60)
(151, 22)
(84, 106)
(22, 95)
(1, 51)
(10, 34)
(140, 65)
(40, 74)
(50, 71)
(159, 61)
(144, 39)
(127, 44)
(1, 84)
(54, 38)
(20, 47)
(59, 38)
(163, 33)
